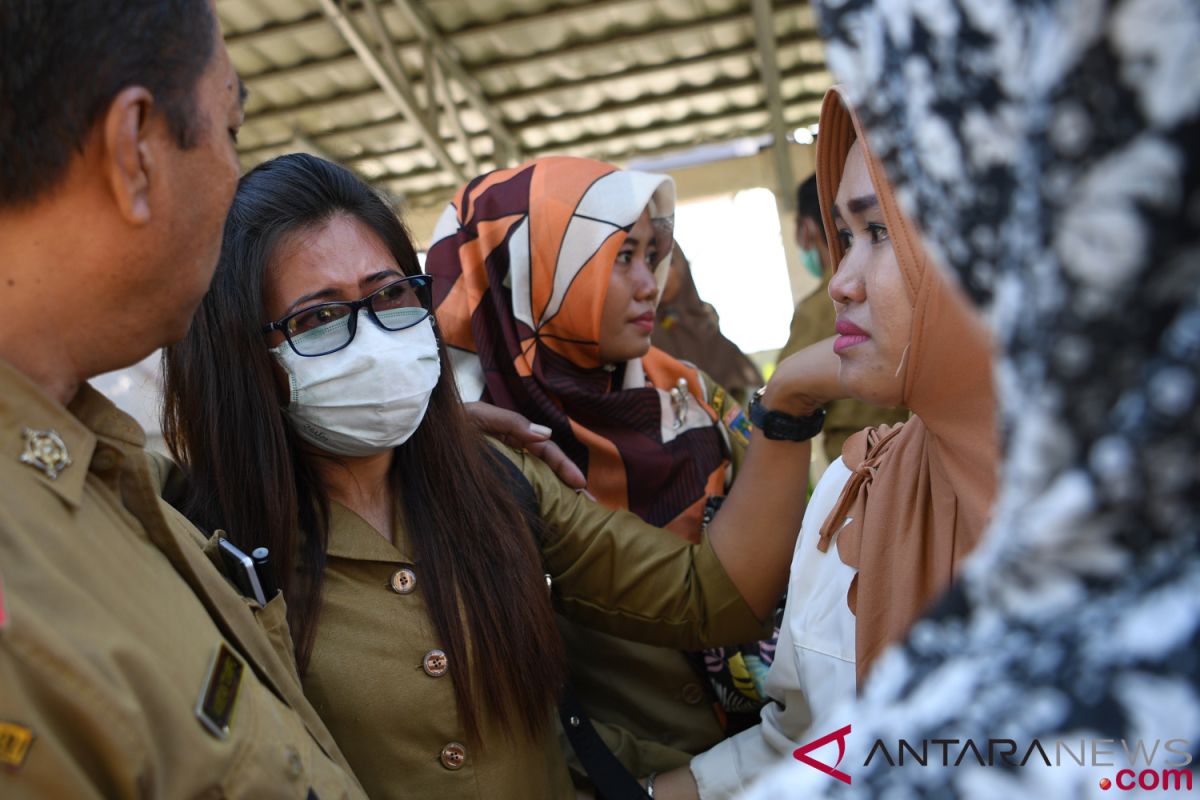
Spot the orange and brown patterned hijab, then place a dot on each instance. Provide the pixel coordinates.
(521, 260)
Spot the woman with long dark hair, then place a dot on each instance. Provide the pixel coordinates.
(313, 411)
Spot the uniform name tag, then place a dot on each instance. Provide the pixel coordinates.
(219, 696)
(15, 741)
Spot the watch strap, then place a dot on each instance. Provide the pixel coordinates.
(784, 427)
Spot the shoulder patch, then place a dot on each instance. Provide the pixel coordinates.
(15, 741)
(718, 401)
(738, 425)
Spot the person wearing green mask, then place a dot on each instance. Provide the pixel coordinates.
(813, 321)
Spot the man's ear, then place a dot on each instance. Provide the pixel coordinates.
(128, 130)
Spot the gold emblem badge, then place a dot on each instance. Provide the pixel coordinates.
(222, 686)
(15, 741)
(45, 450)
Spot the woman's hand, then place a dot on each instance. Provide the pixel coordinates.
(516, 431)
(805, 380)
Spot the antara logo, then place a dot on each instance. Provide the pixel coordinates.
(801, 753)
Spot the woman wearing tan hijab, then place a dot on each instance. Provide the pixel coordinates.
(889, 521)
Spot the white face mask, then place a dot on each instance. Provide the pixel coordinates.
(365, 398)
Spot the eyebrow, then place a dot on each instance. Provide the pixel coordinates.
(331, 294)
(857, 205)
(383, 273)
(324, 294)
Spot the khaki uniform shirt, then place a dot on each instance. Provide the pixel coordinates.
(648, 703)
(377, 681)
(110, 620)
(813, 321)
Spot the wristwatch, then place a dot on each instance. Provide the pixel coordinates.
(780, 426)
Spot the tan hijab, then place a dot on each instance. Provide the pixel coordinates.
(921, 492)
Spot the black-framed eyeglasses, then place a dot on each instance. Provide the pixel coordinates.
(328, 327)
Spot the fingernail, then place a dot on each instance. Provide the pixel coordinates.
(540, 430)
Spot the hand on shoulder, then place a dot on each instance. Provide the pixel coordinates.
(518, 432)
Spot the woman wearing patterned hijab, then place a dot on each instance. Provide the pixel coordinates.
(1051, 153)
(546, 280)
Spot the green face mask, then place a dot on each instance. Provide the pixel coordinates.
(811, 258)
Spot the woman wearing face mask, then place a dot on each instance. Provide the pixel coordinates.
(891, 520)
(313, 411)
(541, 319)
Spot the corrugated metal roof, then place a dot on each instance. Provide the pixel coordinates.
(611, 79)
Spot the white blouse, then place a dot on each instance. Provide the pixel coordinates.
(813, 669)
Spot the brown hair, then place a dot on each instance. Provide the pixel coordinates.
(247, 474)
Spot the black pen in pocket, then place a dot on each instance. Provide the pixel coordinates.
(266, 572)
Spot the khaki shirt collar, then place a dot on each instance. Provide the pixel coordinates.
(89, 417)
(351, 536)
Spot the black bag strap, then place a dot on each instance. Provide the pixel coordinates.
(608, 775)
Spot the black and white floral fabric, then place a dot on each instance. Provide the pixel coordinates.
(1049, 150)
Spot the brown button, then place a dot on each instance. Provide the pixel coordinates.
(403, 581)
(692, 694)
(454, 755)
(435, 663)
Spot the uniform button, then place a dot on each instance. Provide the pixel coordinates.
(294, 763)
(435, 663)
(403, 581)
(454, 755)
(692, 694)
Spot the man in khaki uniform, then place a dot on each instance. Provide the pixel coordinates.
(814, 320)
(129, 666)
